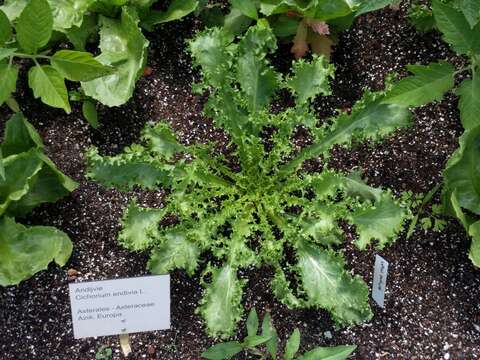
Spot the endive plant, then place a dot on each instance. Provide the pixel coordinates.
(265, 211)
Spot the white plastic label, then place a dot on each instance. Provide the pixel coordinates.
(380, 280)
(122, 306)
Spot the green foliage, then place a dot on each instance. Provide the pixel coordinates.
(40, 25)
(428, 83)
(103, 353)
(28, 179)
(122, 45)
(176, 10)
(266, 210)
(33, 29)
(462, 187)
(258, 345)
(460, 28)
(421, 17)
(469, 103)
(456, 29)
(314, 23)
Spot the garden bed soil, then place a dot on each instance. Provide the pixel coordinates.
(432, 308)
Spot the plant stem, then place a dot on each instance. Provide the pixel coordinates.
(33, 57)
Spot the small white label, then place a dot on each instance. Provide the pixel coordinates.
(380, 280)
(112, 307)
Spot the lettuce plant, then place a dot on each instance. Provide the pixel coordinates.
(109, 77)
(461, 30)
(265, 345)
(264, 211)
(311, 23)
(28, 178)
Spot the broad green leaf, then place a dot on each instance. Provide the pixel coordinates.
(373, 120)
(123, 46)
(176, 10)
(381, 222)
(13, 8)
(329, 353)
(372, 5)
(125, 172)
(2, 167)
(161, 140)
(284, 26)
(140, 227)
(220, 305)
(474, 253)
(24, 251)
(20, 136)
(46, 186)
(465, 220)
(176, 252)
(209, 52)
(469, 103)
(34, 26)
(428, 83)
(236, 22)
(223, 351)
(456, 29)
(471, 10)
(252, 323)
(89, 111)
(326, 9)
(462, 173)
(269, 330)
(8, 79)
(21, 171)
(310, 79)
(247, 7)
(319, 9)
(31, 178)
(330, 287)
(48, 85)
(379, 217)
(258, 81)
(79, 66)
(255, 340)
(79, 36)
(6, 53)
(292, 346)
(69, 13)
(142, 3)
(5, 29)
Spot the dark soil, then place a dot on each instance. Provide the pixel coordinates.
(432, 304)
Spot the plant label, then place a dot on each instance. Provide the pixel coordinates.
(380, 280)
(122, 306)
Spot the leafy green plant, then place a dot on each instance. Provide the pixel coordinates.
(33, 29)
(421, 17)
(265, 346)
(103, 353)
(110, 77)
(462, 188)
(28, 178)
(429, 219)
(311, 23)
(461, 30)
(265, 212)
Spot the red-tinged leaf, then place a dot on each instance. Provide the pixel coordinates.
(320, 27)
(321, 45)
(300, 45)
(147, 71)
